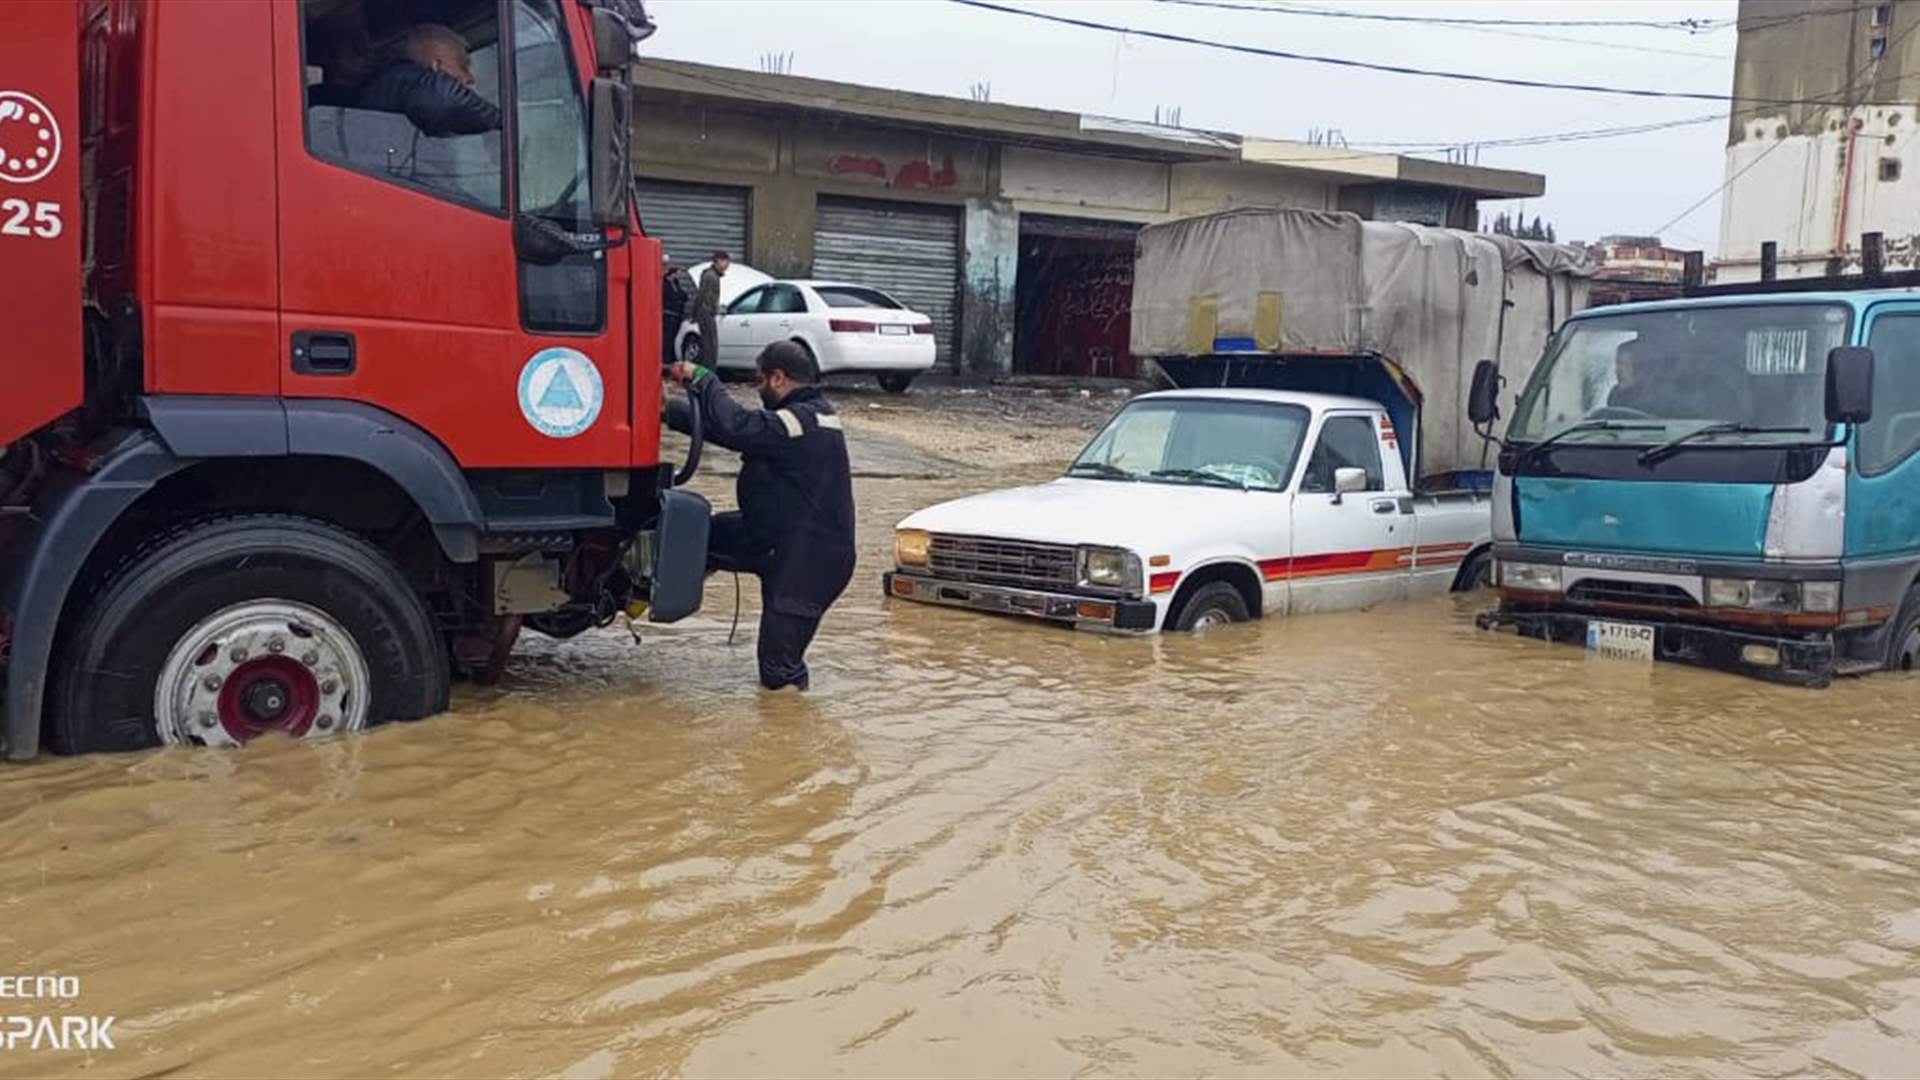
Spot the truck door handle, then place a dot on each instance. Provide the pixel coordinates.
(1385, 506)
(323, 352)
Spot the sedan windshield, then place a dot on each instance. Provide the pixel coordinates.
(1746, 374)
(1198, 442)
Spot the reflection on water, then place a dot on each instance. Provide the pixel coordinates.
(1346, 844)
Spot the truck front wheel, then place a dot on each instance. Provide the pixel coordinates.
(229, 628)
(1903, 647)
(1216, 603)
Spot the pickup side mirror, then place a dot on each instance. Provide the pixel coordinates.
(1347, 480)
(1849, 385)
(1483, 400)
(612, 161)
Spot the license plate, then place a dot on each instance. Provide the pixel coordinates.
(889, 328)
(1624, 640)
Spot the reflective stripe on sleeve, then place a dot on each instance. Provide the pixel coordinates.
(829, 421)
(791, 423)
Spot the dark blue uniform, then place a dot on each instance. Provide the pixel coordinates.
(794, 527)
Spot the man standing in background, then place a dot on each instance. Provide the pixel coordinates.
(676, 302)
(706, 306)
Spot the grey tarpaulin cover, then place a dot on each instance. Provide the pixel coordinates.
(1428, 299)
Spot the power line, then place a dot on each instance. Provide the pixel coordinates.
(1592, 44)
(1691, 26)
(1709, 196)
(1431, 146)
(1478, 26)
(1549, 137)
(1390, 69)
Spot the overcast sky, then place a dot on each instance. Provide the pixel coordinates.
(1631, 184)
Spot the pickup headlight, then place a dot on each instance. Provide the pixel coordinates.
(1763, 595)
(910, 547)
(1110, 568)
(1531, 577)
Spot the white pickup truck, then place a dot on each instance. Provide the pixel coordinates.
(1195, 508)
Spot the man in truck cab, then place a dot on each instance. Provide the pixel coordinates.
(1633, 386)
(432, 85)
(794, 527)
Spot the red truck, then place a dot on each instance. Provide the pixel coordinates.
(309, 401)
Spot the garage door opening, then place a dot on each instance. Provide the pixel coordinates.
(1073, 297)
(908, 250)
(692, 221)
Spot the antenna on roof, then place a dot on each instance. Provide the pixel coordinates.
(981, 91)
(1166, 115)
(776, 63)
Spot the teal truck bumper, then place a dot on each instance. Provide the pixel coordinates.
(1799, 659)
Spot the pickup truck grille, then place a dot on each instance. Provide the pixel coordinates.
(1003, 562)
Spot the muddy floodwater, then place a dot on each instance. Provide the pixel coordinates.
(1356, 844)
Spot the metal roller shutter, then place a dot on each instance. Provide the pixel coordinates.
(694, 220)
(910, 251)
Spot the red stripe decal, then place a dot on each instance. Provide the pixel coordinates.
(1335, 562)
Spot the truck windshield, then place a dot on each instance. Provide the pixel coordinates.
(1198, 441)
(1662, 373)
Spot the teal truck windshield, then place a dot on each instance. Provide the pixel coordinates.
(1658, 374)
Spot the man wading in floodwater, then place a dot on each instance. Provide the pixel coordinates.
(794, 527)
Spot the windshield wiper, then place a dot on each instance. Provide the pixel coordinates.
(1674, 445)
(1533, 451)
(1102, 469)
(1198, 476)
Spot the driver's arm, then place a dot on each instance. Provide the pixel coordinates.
(728, 424)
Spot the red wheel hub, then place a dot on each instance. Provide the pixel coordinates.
(269, 693)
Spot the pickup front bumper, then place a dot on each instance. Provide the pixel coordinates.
(1104, 613)
(1804, 659)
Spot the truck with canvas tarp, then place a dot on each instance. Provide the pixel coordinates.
(1292, 473)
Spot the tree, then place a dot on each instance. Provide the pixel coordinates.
(1520, 229)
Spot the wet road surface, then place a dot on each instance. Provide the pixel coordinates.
(1353, 844)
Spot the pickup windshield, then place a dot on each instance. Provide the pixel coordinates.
(1204, 442)
(1748, 374)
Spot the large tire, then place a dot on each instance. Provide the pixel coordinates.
(1903, 645)
(358, 648)
(1214, 604)
(896, 382)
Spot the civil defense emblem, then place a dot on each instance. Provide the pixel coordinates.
(561, 392)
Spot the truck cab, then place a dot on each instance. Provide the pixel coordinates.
(1195, 508)
(1726, 480)
(339, 365)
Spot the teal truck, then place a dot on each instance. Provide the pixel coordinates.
(1731, 480)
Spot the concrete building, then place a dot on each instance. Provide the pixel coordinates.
(1634, 268)
(1013, 227)
(1815, 173)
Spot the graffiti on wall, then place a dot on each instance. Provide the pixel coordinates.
(1083, 314)
(912, 175)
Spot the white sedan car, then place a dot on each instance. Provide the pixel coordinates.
(847, 328)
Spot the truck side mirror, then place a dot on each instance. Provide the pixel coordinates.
(612, 162)
(1849, 385)
(1483, 400)
(613, 40)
